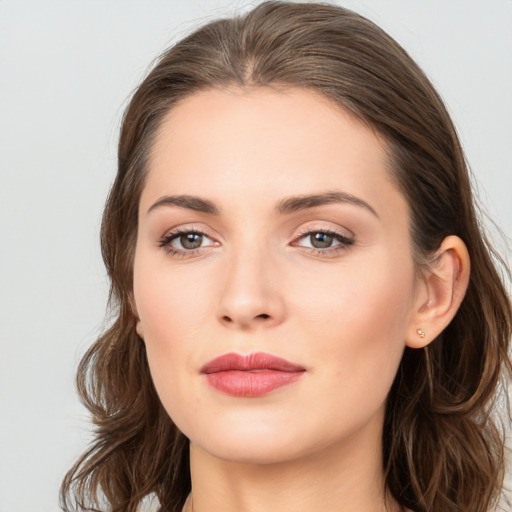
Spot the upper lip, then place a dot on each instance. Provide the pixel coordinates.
(250, 362)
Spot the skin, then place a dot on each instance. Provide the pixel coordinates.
(256, 284)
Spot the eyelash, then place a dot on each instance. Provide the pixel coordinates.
(166, 241)
(344, 242)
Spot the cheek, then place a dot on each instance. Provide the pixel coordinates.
(170, 335)
(358, 322)
(171, 311)
(376, 297)
(170, 307)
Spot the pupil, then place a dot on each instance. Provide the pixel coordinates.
(191, 240)
(321, 240)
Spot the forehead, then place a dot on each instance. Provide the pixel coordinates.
(266, 143)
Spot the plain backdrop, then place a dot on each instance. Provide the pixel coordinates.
(66, 71)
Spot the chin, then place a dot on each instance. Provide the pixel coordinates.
(247, 441)
(264, 442)
(240, 450)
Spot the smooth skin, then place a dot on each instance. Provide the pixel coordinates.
(231, 258)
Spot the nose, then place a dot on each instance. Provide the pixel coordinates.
(251, 292)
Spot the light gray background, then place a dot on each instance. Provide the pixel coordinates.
(67, 68)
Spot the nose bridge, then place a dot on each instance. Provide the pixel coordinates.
(250, 292)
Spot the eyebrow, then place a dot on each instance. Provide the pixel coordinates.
(284, 207)
(184, 201)
(303, 202)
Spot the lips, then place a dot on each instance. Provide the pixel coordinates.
(250, 375)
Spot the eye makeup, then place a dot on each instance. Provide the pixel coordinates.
(323, 242)
(190, 239)
(187, 241)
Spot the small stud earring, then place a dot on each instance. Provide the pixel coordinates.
(420, 332)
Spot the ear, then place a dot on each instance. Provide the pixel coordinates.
(138, 325)
(139, 329)
(440, 293)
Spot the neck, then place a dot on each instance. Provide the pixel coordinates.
(344, 477)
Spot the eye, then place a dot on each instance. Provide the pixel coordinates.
(321, 240)
(185, 241)
(188, 241)
(324, 241)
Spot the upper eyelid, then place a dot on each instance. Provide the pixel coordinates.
(166, 242)
(174, 233)
(341, 231)
(303, 230)
(343, 238)
(300, 233)
(189, 229)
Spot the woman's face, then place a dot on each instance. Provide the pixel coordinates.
(269, 225)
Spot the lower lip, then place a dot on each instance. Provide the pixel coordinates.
(251, 384)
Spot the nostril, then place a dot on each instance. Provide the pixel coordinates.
(226, 319)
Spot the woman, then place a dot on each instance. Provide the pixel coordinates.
(307, 315)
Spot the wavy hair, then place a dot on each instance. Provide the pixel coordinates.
(443, 448)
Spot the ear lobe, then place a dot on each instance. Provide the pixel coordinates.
(139, 329)
(442, 290)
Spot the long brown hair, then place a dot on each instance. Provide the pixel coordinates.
(442, 446)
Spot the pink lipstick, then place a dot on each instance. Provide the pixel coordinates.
(250, 375)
